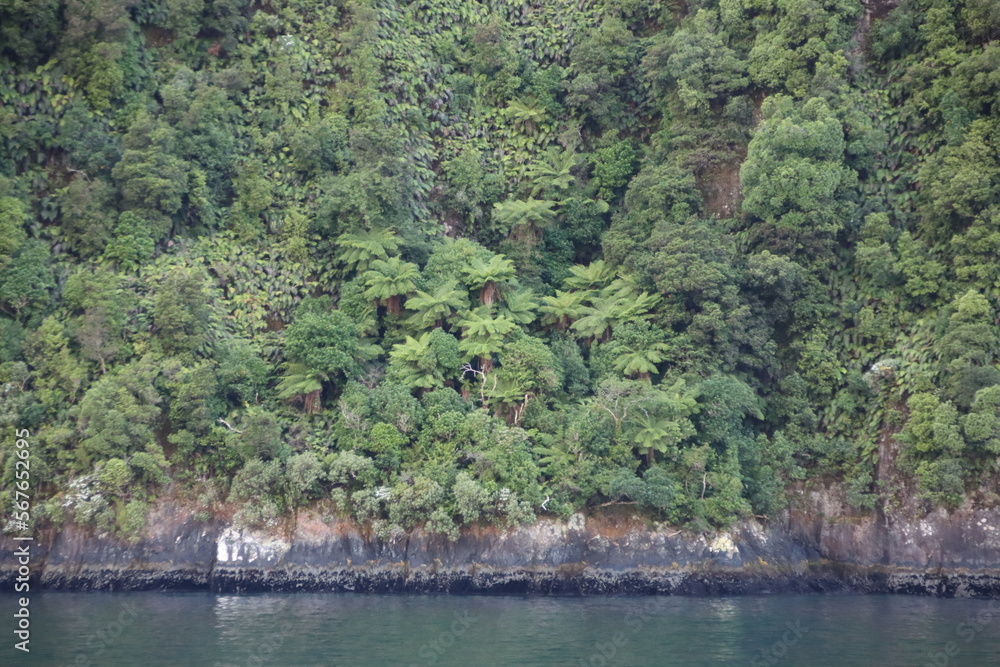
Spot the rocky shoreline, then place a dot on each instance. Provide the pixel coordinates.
(820, 578)
(941, 554)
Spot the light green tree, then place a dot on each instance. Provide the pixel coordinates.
(552, 172)
(525, 220)
(433, 309)
(613, 308)
(389, 280)
(426, 362)
(488, 276)
(562, 309)
(638, 348)
(520, 307)
(594, 276)
(301, 383)
(483, 335)
(119, 413)
(357, 250)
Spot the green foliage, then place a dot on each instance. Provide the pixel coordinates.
(962, 181)
(968, 348)
(438, 263)
(432, 310)
(982, 425)
(305, 475)
(114, 476)
(327, 343)
(359, 250)
(26, 280)
(181, 311)
(794, 179)
(410, 503)
(613, 166)
(483, 334)
(525, 220)
(602, 62)
(259, 436)
(801, 32)
(388, 281)
(636, 349)
(303, 383)
(131, 244)
(242, 373)
(654, 490)
(260, 487)
(59, 374)
(528, 371)
(119, 413)
(427, 362)
(29, 28)
(488, 276)
(152, 177)
(12, 220)
(194, 405)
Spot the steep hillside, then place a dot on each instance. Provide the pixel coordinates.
(455, 262)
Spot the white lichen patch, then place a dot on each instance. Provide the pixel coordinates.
(577, 522)
(758, 531)
(991, 535)
(236, 547)
(723, 543)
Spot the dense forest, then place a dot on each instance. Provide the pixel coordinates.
(441, 262)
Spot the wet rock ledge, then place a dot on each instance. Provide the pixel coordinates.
(948, 555)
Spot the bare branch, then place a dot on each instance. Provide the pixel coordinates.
(227, 425)
(616, 502)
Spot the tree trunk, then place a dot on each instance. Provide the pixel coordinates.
(486, 364)
(312, 402)
(394, 304)
(488, 293)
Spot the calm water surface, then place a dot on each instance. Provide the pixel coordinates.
(200, 629)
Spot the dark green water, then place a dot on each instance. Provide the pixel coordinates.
(199, 629)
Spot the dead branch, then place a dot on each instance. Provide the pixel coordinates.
(227, 425)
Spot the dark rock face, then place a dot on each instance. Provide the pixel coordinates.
(821, 550)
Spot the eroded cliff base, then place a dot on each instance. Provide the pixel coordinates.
(613, 553)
